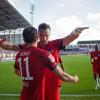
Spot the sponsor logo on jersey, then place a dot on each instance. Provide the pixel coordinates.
(51, 58)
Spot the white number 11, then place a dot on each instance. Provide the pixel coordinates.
(26, 60)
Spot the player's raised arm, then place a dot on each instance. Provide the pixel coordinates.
(65, 76)
(73, 35)
(8, 46)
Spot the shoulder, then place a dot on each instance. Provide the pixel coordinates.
(22, 46)
(58, 43)
(56, 40)
(92, 52)
(41, 51)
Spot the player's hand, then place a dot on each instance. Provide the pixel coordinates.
(76, 79)
(79, 30)
(2, 40)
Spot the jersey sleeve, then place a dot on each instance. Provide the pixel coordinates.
(49, 61)
(22, 46)
(58, 43)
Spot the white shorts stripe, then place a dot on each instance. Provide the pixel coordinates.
(63, 95)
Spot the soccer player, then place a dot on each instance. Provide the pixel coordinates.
(52, 81)
(95, 61)
(30, 63)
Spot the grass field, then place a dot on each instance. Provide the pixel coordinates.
(75, 64)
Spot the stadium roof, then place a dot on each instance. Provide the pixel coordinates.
(89, 42)
(10, 18)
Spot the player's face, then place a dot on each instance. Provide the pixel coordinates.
(44, 36)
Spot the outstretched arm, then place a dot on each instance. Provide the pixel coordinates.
(65, 76)
(8, 46)
(73, 35)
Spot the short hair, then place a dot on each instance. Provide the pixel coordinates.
(30, 35)
(96, 47)
(44, 26)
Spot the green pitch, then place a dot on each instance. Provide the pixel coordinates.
(76, 64)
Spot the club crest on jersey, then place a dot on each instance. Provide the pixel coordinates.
(51, 58)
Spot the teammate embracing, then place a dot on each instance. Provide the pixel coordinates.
(30, 63)
(52, 81)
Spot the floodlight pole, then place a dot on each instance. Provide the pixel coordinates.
(32, 12)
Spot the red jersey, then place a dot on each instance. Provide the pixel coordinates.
(31, 63)
(94, 57)
(95, 60)
(99, 63)
(99, 56)
(52, 81)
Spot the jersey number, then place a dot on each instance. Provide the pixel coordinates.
(25, 60)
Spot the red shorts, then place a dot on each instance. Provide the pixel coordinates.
(29, 94)
(52, 85)
(33, 91)
(96, 70)
(52, 94)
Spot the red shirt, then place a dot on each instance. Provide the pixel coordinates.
(99, 57)
(94, 57)
(54, 44)
(31, 63)
(53, 47)
(95, 60)
(52, 81)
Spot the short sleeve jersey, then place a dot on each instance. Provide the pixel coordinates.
(31, 63)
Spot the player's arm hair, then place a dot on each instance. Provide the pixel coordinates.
(62, 66)
(70, 38)
(65, 76)
(8, 46)
(73, 35)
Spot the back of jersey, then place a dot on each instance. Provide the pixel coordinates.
(30, 65)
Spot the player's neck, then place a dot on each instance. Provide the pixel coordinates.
(32, 44)
(43, 44)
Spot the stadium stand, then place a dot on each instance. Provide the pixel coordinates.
(10, 21)
(10, 18)
(88, 44)
(82, 47)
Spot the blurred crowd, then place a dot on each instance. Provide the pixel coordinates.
(7, 55)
